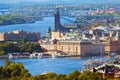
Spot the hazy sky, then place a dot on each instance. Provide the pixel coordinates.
(14, 1)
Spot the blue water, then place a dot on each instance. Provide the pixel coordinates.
(38, 26)
(37, 66)
(57, 65)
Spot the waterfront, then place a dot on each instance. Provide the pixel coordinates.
(38, 66)
(57, 65)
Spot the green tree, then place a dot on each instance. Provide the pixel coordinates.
(61, 77)
(7, 63)
(12, 71)
(10, 47)
(1, 71)
(73, 76)
(2, 53)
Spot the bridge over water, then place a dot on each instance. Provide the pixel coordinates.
(11, 11)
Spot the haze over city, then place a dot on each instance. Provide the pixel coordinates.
(62, 1)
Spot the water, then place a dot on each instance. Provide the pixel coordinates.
(38, 66)
(38, 26)
(57, 65)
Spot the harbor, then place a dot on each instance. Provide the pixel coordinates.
(64, 65)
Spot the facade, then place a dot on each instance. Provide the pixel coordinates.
(81, 48)
(112, 47)
(47, 45)
(56, 35)
(1, 36)
(69, 47)
(19, 35)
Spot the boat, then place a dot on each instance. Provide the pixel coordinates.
(39, 55)
(46, 55)
(10, 56)
(54, 56)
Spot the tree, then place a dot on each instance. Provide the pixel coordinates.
(12, 71)
(10, 47)
(61, 77)
(30, 48)
(1, 71)
(7, 63)
(118, 21)
(74, 75)
(2, 53)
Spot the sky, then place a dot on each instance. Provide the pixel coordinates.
(59, 1)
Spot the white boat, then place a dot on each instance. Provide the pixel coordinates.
(54, 56)
(31, 56)
(39, 55)
(10, 56)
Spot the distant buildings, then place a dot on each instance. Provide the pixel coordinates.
(19, 35)
(58, 26)
(100, 11)
(69, 40)
(93, 41)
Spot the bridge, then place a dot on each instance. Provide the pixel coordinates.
(10, 11)
(69, 20)
(23, 11)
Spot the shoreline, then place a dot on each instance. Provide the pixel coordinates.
(71, 56)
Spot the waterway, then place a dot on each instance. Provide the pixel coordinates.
(38, 66)
(57, 65)
(38, 26)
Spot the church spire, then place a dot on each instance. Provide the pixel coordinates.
(57, 10)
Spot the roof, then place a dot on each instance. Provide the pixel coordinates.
(100, 27)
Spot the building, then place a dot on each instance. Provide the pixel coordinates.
(57, 20)
(56, 35)
(112, 47)
(58, 26)
(111, 42)
(100, 11)
(82, 48)
(70, 47)
(19, 35)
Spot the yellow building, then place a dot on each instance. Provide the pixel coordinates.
(112, 47)
(56, 35)
(70, 47)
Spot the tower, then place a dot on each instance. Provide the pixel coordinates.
(57, 19)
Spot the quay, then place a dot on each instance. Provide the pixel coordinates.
(34, 55)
